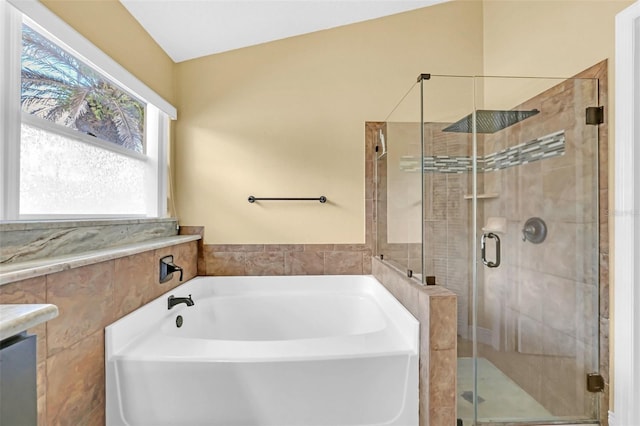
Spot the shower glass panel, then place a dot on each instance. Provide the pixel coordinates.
(399, 182)
(510, 224)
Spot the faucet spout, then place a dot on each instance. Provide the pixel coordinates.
(173, 301)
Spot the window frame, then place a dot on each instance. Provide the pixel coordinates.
(158, 112)
(50, 126)
(626, 221)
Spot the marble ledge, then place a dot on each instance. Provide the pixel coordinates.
(34, 268)
(14, 319)
(27, 225)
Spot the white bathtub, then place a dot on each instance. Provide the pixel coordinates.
(278, 351)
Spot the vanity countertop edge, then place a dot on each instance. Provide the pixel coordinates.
(16, 318)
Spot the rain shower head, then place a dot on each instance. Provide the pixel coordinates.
(489, 121)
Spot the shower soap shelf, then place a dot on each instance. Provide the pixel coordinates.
(482, 196)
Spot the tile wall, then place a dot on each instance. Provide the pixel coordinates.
(551, 145)
(287, 259)
(70, 349)
(447, 219)
(541, 306)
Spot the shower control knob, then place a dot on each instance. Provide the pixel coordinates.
(534, 230)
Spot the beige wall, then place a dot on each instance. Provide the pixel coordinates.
(108, 25)
(287, 119)
(556, 38)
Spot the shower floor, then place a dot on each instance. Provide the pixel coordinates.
(500, 398)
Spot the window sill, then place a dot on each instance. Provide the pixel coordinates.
(28, 225)
(34, 268)
(40, 240)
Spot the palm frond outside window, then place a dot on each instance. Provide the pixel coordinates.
(58, 87)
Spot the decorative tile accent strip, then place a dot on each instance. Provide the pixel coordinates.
(548, 146)
(444, 164)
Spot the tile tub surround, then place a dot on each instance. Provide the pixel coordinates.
(199, 231)
(435, 307)
(70, 348)
(25, 240)
(287, 259)
(34, 268)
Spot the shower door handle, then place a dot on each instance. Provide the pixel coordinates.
(483, 250)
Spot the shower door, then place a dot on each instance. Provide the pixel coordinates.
(510, 191)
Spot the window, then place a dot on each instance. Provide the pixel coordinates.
(81, 136)
(57, 86)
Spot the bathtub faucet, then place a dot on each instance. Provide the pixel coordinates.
(173, 301)
(167, 268)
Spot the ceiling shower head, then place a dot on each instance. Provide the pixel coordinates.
(489, 121)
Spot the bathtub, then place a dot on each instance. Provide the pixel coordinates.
(277, 351)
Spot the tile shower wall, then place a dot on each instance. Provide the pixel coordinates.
(540, 307)
(551, 145)
(554, 347)
(527, 325)
(447, 219)
(70, 349)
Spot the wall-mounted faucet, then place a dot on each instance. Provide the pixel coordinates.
(173, 301)
(167, 268)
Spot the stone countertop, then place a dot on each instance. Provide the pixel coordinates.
(14, 319)
(19, 271)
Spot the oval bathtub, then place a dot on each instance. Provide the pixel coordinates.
(278, 351)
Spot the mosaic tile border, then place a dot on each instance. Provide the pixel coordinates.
(549, 146)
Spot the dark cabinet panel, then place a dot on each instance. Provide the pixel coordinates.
(18, 396)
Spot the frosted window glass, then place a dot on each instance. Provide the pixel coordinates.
(62, 176)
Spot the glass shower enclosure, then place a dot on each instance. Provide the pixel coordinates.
(489, 186)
